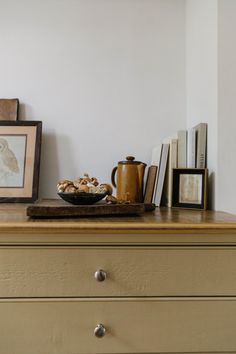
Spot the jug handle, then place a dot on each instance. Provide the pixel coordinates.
(113, 176)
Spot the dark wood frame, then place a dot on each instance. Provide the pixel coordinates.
(36, 167)
(175, 191)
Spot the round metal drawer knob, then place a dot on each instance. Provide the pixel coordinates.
(100, 275)
(99, 331)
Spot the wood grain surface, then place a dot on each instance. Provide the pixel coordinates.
(13, 218)
(9, 109)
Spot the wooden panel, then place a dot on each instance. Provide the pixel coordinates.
(136, 238)
(133, 326)
(140, 271)
(60, 208)
(9, 109)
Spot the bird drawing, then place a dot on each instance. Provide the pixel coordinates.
(8, 161)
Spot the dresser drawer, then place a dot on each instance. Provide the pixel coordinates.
(130, 271)
(132, 326)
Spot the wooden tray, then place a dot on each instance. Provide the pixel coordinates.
(59, 208)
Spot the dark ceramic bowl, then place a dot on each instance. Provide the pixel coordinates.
(81, 198)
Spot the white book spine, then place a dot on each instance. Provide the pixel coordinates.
(192, 148)
(161, 174)
(182, 149)
(201, 145)
(156, 160)
(173, 151)
(156, 153)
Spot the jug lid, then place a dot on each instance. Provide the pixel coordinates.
(130, 160)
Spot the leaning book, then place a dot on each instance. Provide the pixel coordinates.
(150, 184)
(171, 163)
(201, 151)
(161, 174)
(182, 149)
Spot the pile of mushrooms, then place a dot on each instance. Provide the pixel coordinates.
(88, 184)
(84, 184)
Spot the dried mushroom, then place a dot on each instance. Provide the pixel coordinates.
(70, 189)
(111, 200)
(107, 187)
(83, 188)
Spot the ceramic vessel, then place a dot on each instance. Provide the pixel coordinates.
(129, 179)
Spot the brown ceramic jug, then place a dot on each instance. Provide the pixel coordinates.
(129, 179)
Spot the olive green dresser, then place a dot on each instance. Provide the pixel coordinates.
(161, 283)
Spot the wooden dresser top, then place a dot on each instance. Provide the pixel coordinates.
(13, 218)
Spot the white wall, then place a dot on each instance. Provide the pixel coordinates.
(210, 89)
(202, 77)
(105, 77)
(227, 105)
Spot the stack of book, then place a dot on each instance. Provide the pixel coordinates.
(187, 150)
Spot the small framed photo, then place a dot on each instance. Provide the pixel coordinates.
(20, 147)
(190, 188)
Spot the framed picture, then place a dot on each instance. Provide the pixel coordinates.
(190, 188)
(20, 146)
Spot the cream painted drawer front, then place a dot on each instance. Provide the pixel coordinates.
(131, 271)
(132, 326)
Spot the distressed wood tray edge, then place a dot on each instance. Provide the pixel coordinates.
(57, 208)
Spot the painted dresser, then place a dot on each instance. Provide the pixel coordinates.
(161, 283)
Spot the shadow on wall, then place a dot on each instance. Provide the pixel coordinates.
(25, 112)
(211, 191)
(56, 152)
(49, 169)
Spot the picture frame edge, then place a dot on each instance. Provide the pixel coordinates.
(37, 157)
